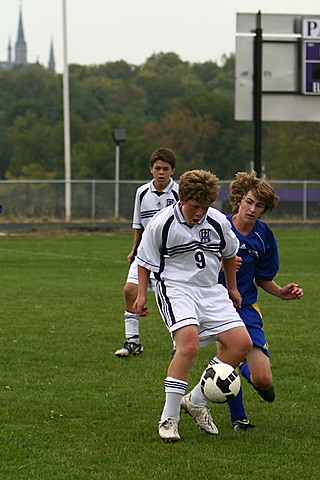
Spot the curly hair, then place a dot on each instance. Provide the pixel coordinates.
(200, 186)
(261, 188)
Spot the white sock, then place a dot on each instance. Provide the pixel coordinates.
(214, 360)
(175, 389)
(131, 322)
(197, 396)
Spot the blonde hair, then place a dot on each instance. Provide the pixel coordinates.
(200, 186)
(261, 188)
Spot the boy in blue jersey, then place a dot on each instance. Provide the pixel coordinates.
(150, 198)
(258, 264)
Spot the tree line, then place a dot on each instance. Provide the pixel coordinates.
(188, 107)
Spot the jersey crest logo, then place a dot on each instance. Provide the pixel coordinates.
(205, 235)
(170, 201)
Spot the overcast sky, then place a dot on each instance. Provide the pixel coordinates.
(101, 31)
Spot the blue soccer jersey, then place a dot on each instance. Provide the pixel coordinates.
(259, 253)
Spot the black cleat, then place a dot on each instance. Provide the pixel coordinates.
(242, 424)
(129, 348)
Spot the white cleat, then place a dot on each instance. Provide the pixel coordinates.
(168, 430)
(201, 415)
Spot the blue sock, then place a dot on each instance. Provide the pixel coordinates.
(245, 371)
(236, 407)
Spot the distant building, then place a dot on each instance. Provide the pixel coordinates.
(52, 63)
(20, 50)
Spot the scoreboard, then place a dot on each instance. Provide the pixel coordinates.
(311, 56)
(283, 52)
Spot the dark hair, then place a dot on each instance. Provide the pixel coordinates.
(165, 155)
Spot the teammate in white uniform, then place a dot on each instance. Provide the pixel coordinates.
(182, 246)
(150, 199)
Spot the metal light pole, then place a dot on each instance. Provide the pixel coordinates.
(66, 119)
(257, 96)
(119, 136)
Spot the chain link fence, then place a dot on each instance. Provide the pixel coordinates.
(98, 200)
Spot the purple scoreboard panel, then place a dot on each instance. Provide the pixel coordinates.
(311, 56)
(312, 68)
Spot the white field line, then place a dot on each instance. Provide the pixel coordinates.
(62, 256)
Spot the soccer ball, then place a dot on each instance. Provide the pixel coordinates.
(220, 383)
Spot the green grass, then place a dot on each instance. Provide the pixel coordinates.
(70, 409)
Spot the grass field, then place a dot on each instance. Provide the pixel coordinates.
(70, 409)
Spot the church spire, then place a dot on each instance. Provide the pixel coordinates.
(9, 52)
(21, 46)
(52, 63)
(17, 53)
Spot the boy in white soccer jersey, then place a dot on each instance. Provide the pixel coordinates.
(150, 199)
(183, 246)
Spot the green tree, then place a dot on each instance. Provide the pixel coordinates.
(292, 150)
(36, 152)
(163, 102)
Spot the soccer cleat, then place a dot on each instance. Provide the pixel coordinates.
(242, 424)
(268, 395)
(168, 430)
(129, 348)
(201, 415)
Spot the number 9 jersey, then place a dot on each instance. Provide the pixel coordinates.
(177, 252)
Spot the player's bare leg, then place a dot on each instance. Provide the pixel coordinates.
(257, 371)
(187, 348)
(236, 346)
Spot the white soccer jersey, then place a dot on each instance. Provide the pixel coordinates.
(148, 202)
(176, 252)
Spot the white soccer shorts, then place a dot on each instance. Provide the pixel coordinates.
(208, 307)
(133, 276)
